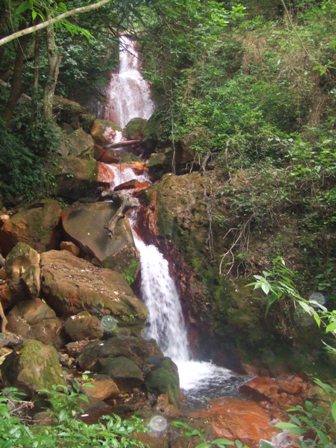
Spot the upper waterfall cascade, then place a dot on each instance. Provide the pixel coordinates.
(128, 93)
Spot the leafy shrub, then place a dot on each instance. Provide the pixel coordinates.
(66, 429)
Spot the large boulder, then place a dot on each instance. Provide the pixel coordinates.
(85, 224)
(72, 113)
(131, 347)
(104, 131)
(164, 379)
(77, 178)
(34, 225)
(78, 143)
(135, 129)
(34, 319)
(23, 269)
(35, 367)
(71, 285)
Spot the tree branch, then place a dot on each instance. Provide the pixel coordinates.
(42, 25)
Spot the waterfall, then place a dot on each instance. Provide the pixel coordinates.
(159, 292)
(129, 97)
(128, 92)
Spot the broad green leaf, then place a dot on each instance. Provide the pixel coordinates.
(331, 327)
(22, 8)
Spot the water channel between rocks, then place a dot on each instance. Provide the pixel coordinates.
(129, 97)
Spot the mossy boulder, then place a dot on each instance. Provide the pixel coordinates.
(122, 369)
(72, 113)
(164, 379)
(78, 143)
(131, 347)
(71, 285)
(35, 367)
(77, 178)
(34, 225)
(135, 129)
(104, 131)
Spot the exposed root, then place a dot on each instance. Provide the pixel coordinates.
(241, 238)
(127, 202)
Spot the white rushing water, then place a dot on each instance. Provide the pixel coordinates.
(124, 174)
(128, 93)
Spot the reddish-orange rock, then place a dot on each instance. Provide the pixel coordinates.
(104, 173)
(281, 392)
(233, 418)
(133, 184)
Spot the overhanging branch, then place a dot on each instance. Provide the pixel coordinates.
(49, 22)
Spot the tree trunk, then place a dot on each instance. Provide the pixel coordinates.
(54, 60)
(16, 84)
(36, 75)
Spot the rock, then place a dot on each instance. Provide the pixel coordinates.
(114, 155)
(75, 348)
(86, 225)
(70, 247)
(72, 113)
(123, 370)
(104, 131)
(34, 319)
(83, 326)
(164, 407)
(71, 285)
(78, 144)
(234, 419)
(23, 268)
(164, 379)
(34, 226)
(135, 129)
(35, 367)
(133, 185)
(131, 347)
(101, 387)
(283, 391)
(77, 178)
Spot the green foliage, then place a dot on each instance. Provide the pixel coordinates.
(312, 422)
(190, 432)
(131, 271)
(66, 429)
(22, 167)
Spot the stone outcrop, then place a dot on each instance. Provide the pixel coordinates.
(86, 225)
(71, 285)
